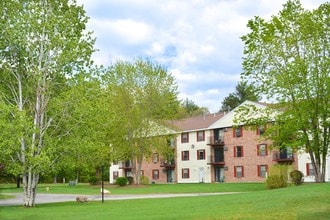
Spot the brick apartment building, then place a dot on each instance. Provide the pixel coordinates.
(211, 148)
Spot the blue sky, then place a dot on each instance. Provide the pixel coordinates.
(198, 41)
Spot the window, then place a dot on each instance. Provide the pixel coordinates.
(155, 158)
(185, 138)
(200, 136)
(262, 170)
(185, 155)
(238, 171)
(238, 132)
(185, 173)
(310, 169)
(155, 174)
(115, 175)
(262, 150)
(260, 129)
(238, 151)
(200, 154)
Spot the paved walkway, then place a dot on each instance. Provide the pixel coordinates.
(52, 198)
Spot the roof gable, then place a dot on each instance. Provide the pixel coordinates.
(228, 119)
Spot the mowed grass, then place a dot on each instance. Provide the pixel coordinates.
(309, 201)
(87, 189)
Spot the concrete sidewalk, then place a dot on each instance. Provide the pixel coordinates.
(53, 198)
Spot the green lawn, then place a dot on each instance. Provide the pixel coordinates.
(152, 188)
(309, 201)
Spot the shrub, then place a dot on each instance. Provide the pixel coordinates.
(121, 181)
(278, 177)
(276, 181)
(144, 180)
(93, 180)
(297, 177)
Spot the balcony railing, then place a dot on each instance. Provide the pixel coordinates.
(169, 164)
(283, 157)
(216, 141)
(125, 165)
(215, 160)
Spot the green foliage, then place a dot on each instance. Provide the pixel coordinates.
(297, 177)
(287, 60)
(276, 182)
(243, 92)
(278, 177)
(93, 180)
(121, 181)
(147, 94)
(189, 109)
(42, 45)
(144, 180)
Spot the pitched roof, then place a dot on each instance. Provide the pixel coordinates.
(201, 122)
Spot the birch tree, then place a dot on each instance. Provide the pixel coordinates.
(288, 59)
(42, 42)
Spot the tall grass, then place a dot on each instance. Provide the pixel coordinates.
(309, 201)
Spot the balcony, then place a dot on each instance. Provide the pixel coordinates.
(126, 165)
(168, 164)
(215, 160)
(283, 157)
(215, 141)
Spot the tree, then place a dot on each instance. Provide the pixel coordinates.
(189, 109)
(243, 92)
(81, 133)
(143, 96)
(42, 43)
(288, 59)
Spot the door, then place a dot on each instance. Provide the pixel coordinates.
(201, 175)
(219, 174)
(170, 176)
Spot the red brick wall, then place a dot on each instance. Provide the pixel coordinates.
(148, 166)
(250, 160)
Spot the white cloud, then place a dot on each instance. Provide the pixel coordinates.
(198, 40)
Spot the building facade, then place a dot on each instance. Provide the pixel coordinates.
(212, 148)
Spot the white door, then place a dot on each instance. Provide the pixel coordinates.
(201, 175)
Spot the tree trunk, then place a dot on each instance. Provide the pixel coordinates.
(139, 167)
(30, 182)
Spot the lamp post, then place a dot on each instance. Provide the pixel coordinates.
(102, 180)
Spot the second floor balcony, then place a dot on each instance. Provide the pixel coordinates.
(216, 160)
(168, 164)
(283, 156)
(125, 165)
(215, 141)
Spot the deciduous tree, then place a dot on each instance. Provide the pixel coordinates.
(42, 43)
(143, 95)
(288, 59)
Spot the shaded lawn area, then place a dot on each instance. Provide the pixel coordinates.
(309, 201)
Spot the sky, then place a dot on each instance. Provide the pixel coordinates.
(197, 41)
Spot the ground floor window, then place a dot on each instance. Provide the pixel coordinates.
(185, 173)
(262, 170)
(115, 175)
(155, 174)
(310, 169)
(238, 171)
